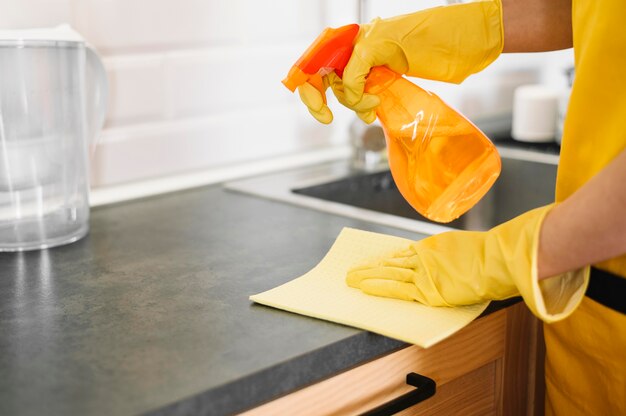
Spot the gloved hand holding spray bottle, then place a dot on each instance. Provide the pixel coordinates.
(441, 163)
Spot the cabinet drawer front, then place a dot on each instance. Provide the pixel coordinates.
(473, 394)
(379, 381)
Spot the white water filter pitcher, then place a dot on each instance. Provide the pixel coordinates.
(53, 94)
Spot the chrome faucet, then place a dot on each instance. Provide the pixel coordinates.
(369, 150)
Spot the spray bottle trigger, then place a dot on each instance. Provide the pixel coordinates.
(318, 82)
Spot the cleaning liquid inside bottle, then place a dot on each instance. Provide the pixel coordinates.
(442, 164)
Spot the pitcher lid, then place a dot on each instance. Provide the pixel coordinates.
(61, 33)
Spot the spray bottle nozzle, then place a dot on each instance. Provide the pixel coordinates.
(329, 52)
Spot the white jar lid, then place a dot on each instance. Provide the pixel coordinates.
(61, 33)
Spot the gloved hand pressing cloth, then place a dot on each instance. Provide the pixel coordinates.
(467, 267)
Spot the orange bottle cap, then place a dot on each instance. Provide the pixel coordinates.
(331, 51)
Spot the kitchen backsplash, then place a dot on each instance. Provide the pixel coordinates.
(195, 84)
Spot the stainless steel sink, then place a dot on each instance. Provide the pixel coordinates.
(527, 181)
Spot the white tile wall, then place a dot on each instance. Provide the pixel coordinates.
(156, 149)
(193, 83)
(20, 14)
(127, 26)
(196, 83)
(390, 8)
(223, 79)
(137, 91)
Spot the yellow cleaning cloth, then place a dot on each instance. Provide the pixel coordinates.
(322, 293)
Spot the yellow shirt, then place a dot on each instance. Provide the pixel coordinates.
(586, 353)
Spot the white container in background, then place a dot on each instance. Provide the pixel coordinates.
(52, 106)
(535, 113)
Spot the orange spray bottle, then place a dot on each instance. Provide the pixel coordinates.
(441, 163)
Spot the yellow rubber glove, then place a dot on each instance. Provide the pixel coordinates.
(447, 43)
(314, 101)
(466, 267)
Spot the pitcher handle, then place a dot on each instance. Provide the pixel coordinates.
(97, 94)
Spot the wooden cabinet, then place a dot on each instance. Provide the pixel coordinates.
(489, 367)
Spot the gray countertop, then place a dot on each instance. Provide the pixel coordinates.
(150, 312)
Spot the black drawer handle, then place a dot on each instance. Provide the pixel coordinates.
(424, 388)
